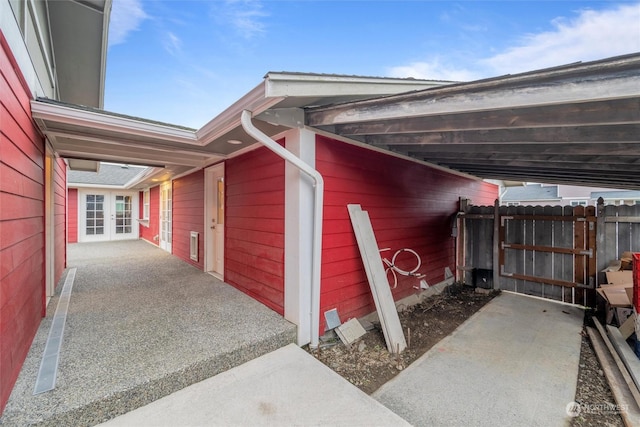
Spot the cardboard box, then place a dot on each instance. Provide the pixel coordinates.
(628, 326)
(620, 277)
(616, 295)
(626, 261)
(615, 265)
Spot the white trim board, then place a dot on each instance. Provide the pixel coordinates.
(382, 296)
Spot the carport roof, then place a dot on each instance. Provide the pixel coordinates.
(577, 124)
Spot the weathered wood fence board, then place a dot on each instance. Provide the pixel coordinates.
(618, 232)
(554, 252)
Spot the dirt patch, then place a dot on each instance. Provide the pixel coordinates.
(368, 364)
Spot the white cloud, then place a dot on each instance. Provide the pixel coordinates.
(435, 69)
(172, 44)
(245, 16)
(126, 16)
(591, 35)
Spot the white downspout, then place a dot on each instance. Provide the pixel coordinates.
(272, 145)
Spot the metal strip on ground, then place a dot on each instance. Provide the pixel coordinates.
(47, 373)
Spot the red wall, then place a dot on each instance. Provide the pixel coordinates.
(153, 230)
(254, 239)
(410, 205)
(188, 216)
(21, 223)
(72, 200)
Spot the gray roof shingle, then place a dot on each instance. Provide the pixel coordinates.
(620, 194)
(108, 174)
(531, 192)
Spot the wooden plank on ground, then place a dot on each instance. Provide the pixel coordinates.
(382, 296)
(629, 409)
(628, 357)
(621, 367)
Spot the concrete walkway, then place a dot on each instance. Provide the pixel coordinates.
(141, 324)
(287, 387)
(514, 363)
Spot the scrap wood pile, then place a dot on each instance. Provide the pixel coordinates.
(617, 296)
(616, 343)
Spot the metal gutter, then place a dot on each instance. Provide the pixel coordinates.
(272, 145)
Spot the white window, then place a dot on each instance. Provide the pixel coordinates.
(578, 203)
(145, 204)
(513, 203)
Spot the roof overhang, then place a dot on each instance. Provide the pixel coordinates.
(578, 124)
(79, 33)
(78, 132)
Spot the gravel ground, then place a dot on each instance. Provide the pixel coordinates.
(593, 393)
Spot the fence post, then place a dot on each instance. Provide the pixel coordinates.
(496, 244)
(461, 241)
(601, 241)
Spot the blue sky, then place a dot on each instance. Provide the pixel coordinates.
(185, 61)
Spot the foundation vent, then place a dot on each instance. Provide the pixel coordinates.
(193, 246)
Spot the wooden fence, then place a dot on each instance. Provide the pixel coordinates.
(553, 252)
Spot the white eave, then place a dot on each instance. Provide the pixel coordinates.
(79, 31)
(83, 118)
(339, 86)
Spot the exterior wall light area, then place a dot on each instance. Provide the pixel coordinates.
(234, 142)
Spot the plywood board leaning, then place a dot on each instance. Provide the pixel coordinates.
(382, 296)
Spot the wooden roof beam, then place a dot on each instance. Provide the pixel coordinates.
(558, 135)
(611, 112)
(444, 156)
(596, 148)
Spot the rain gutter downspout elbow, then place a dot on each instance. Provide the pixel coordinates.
(282, 152)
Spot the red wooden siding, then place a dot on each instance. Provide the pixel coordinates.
(410, 205)
(72, 200)
(188, 216)
(149, 233)
(21, 223)
(60, 220)
(254, 232)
